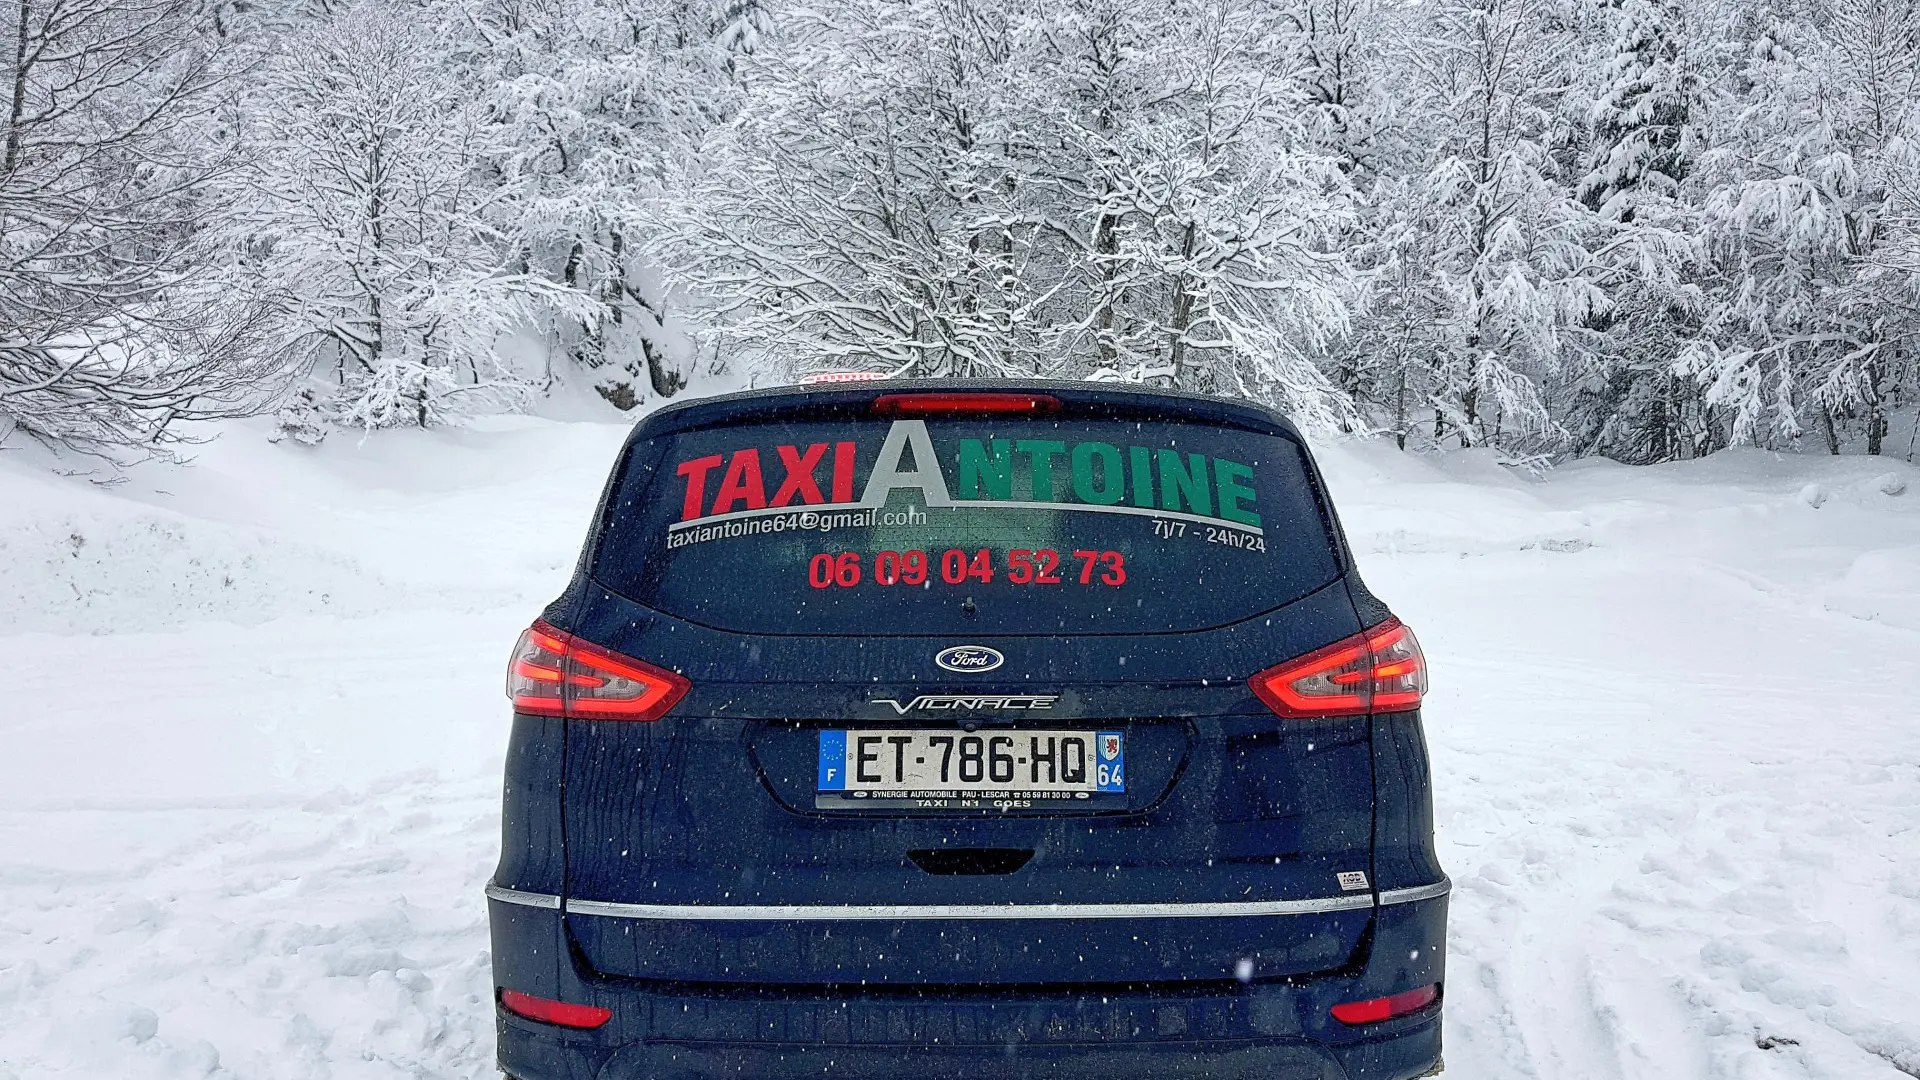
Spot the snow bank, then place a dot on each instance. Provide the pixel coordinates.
(456, 519)
(251, 785)
(104, 566)
(1880, 585)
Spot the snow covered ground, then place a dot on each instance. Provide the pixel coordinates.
(250, 743)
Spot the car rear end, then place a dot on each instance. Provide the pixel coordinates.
(1036, 730)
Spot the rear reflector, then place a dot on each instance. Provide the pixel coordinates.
(1374, 1010)
(954, 404)
(1375, 671)
(554, 673)
(554, 1012)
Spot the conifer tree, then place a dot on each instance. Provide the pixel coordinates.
(1816, 324)
(1635, 405)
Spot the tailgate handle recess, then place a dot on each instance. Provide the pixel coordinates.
(970, 861)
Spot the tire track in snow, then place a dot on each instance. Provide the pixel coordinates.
(1669, 865)
(356, 950)
(267, 897)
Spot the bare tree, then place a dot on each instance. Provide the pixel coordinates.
(102, 342)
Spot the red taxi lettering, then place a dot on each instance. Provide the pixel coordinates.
(742, 484)
(800, 482)
(696, 473)
(843, 472)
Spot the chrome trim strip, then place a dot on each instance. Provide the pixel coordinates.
(524, 899)
(818, 912)
(1418, 892)
(811, 912)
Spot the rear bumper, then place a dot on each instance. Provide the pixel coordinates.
(1406, 1055)
(689, 1031)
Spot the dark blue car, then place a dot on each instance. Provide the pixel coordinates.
(972, 730)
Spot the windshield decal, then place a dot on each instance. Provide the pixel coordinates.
(1159, 482)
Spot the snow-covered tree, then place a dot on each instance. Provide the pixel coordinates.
(103, 344)
(596, 103)
(1489, 223)
(1638, 228)
(1208, 212)
(1818, 321)
(1644, 140)
(363, 215)
(1338, 48)
(1104, 188)
(847, 216)
(1633, 403)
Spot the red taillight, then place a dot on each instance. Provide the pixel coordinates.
(554, 673)
(950, 404)
(554, 1012)
(1378, 670)
(1374, 1010)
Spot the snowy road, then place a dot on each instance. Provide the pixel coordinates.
(1676, 753)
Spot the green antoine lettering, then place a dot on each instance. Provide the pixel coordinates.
(1234, 480)
(1103, 474)
(1112, 487)
(1141, 459)
(1040, 454)
(1178, 482)
(985, 470)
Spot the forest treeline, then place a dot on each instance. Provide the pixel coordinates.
(1645, 229)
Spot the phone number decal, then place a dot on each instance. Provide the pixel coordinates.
(956, 566)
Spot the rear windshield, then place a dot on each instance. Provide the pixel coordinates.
(966, 525)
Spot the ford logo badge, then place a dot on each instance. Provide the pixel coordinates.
(969, 658)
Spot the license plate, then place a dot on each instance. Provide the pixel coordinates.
(949, 768)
